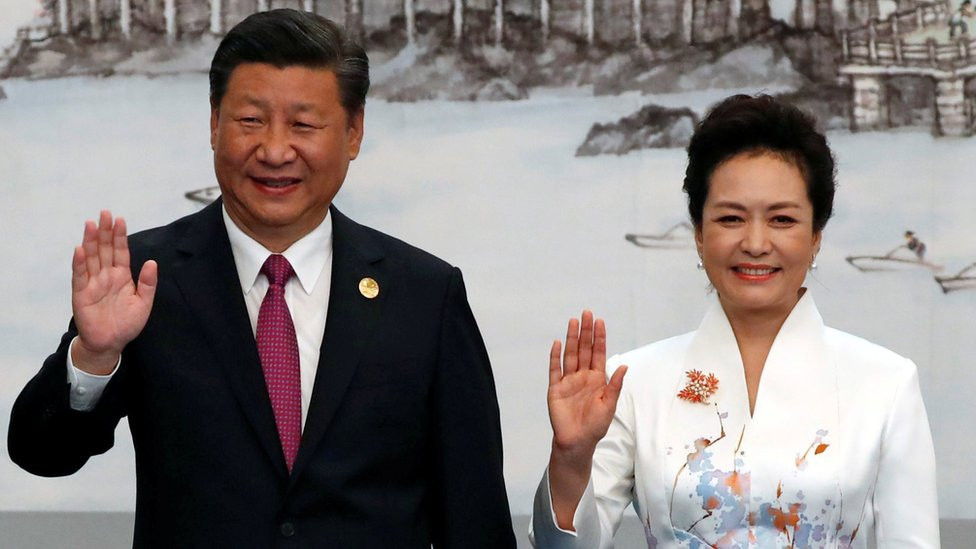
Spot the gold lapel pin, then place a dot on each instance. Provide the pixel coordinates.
(369, 288)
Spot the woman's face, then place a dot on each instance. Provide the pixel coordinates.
(756, 238)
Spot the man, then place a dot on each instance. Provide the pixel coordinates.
(291, 378)
(915, 245)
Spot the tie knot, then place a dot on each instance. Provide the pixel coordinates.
(277, 269)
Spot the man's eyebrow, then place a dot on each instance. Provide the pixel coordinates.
(303, 107)
(264, 104)
(256, 101)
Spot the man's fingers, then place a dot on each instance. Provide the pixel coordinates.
(599, 360)
(570, 363)
(555, 370)
(148, 277)
(586, 340)
(105, 251)
(120, 243)
(89, 244)
(79, 274)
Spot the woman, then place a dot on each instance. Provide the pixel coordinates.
(831, 449)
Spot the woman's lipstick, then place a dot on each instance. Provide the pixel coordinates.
(754, 273)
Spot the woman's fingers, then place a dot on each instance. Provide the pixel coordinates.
(599, 360)
(615, 385)
(585, 340)
(586, 344)
(555, 369)
(570, 356)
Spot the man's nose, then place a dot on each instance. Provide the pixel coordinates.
(755, 241)
(276, 147)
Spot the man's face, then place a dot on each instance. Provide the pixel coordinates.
(282, 144)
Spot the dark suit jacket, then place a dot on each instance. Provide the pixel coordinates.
(402, 444)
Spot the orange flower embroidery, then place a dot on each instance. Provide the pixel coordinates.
(700, 387)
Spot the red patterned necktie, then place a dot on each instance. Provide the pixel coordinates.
(278, 349)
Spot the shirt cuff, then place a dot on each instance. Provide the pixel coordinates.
(86, 389)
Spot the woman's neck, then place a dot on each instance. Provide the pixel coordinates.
(758, 325)
(755, 331)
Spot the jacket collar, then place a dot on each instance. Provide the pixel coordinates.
(351, 326)
(798, 351)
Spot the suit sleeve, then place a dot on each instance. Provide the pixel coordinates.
(471, 505)
(905, 496)
(46, 436)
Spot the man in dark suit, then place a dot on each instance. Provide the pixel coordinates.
(291, 378)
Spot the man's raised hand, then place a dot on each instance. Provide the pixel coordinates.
(109, 308)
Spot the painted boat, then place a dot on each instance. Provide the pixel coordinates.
(963, 280)
(203, 196)
(876, 263)
(679, 236)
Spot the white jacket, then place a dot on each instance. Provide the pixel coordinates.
(837, 452)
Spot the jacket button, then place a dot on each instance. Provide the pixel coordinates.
(287, 529)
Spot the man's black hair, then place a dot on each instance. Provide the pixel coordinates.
(286, 38)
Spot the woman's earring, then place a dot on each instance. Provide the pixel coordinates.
(701, 266)
(813, 264)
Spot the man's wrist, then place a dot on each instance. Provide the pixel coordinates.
(95, 363)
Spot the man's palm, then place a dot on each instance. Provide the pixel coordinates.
(109, 308)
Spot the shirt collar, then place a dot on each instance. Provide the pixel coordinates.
(308, 256)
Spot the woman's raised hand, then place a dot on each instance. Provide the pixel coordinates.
(581, 407)
(581, 400)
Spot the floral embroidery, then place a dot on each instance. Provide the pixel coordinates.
(700, 387)
(731, 517)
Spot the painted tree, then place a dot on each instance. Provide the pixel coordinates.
(458, 19)
(589, 23)
(754, 17)
(544, 19)
(824, 16)
(637, 20)
(499, 21)
(410, 20)
(354, 19)
(94, 19)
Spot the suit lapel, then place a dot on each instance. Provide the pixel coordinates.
(350, 325)
(209, 283)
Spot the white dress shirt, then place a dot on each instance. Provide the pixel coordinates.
(307, 296)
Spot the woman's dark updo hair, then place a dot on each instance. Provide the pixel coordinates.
(746, 124)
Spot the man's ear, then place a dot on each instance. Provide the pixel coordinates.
(356, 122)
(214, 119)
